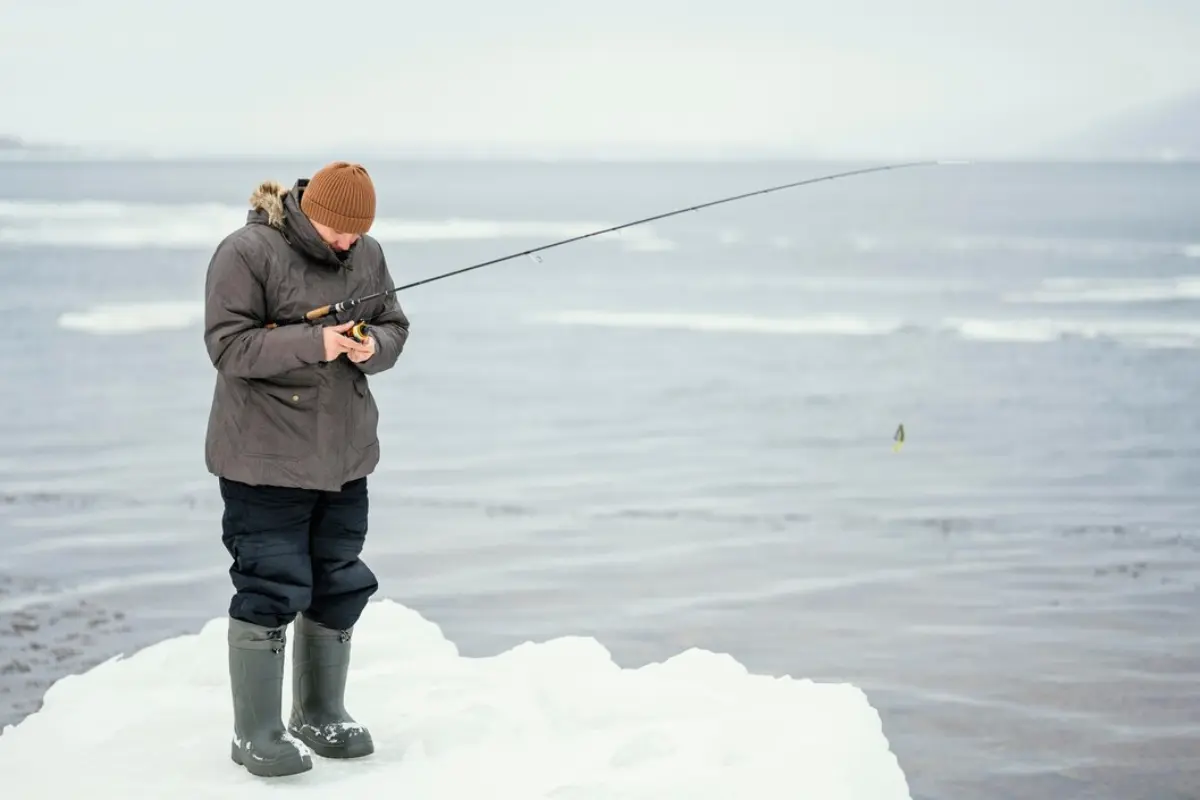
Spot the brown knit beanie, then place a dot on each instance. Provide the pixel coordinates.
(342, 196)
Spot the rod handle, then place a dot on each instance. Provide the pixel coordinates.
(317, 313)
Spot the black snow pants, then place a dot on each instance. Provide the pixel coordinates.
(297, 550)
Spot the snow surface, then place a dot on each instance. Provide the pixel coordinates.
(556, 720)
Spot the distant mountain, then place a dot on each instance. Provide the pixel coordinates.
(1167, 131)
(14, 148)
(9, 143)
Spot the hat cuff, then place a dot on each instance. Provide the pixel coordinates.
(328, 217)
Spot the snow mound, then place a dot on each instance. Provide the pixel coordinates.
(555, 720)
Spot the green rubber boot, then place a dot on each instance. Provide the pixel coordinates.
(320, 662)
(260, 742)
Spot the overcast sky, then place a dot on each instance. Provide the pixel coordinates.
(871, 77)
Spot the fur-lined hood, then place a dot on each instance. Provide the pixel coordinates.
(268, 198)
(279, 207)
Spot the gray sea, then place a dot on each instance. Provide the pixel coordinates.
(679, 435)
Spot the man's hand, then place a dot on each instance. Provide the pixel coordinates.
(365, 351)
(336, 344)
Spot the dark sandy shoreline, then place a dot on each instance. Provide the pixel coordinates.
(42, 642)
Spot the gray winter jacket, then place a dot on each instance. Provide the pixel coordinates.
(280, 414)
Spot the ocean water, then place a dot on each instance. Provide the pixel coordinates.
(679, 435)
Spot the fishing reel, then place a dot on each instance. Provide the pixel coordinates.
(359, 331)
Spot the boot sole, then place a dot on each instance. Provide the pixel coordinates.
(274, 768)
(358, 749)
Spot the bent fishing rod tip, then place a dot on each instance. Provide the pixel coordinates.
(317, 313)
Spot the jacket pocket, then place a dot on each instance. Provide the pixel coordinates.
(280, 421)
(365, 417)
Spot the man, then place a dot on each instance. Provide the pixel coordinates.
(291, 437)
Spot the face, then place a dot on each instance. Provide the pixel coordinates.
(338, 241)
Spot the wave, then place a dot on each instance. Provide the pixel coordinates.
(1111, 290)
(878, 284)
(128, 318)
(133, 318)
(201, 225)
(829, 324)
(1145, 333)
(866, 242)
(1072, 247)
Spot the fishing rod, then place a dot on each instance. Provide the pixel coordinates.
(359, 331)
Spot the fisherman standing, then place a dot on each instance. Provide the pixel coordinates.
(292, 436)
